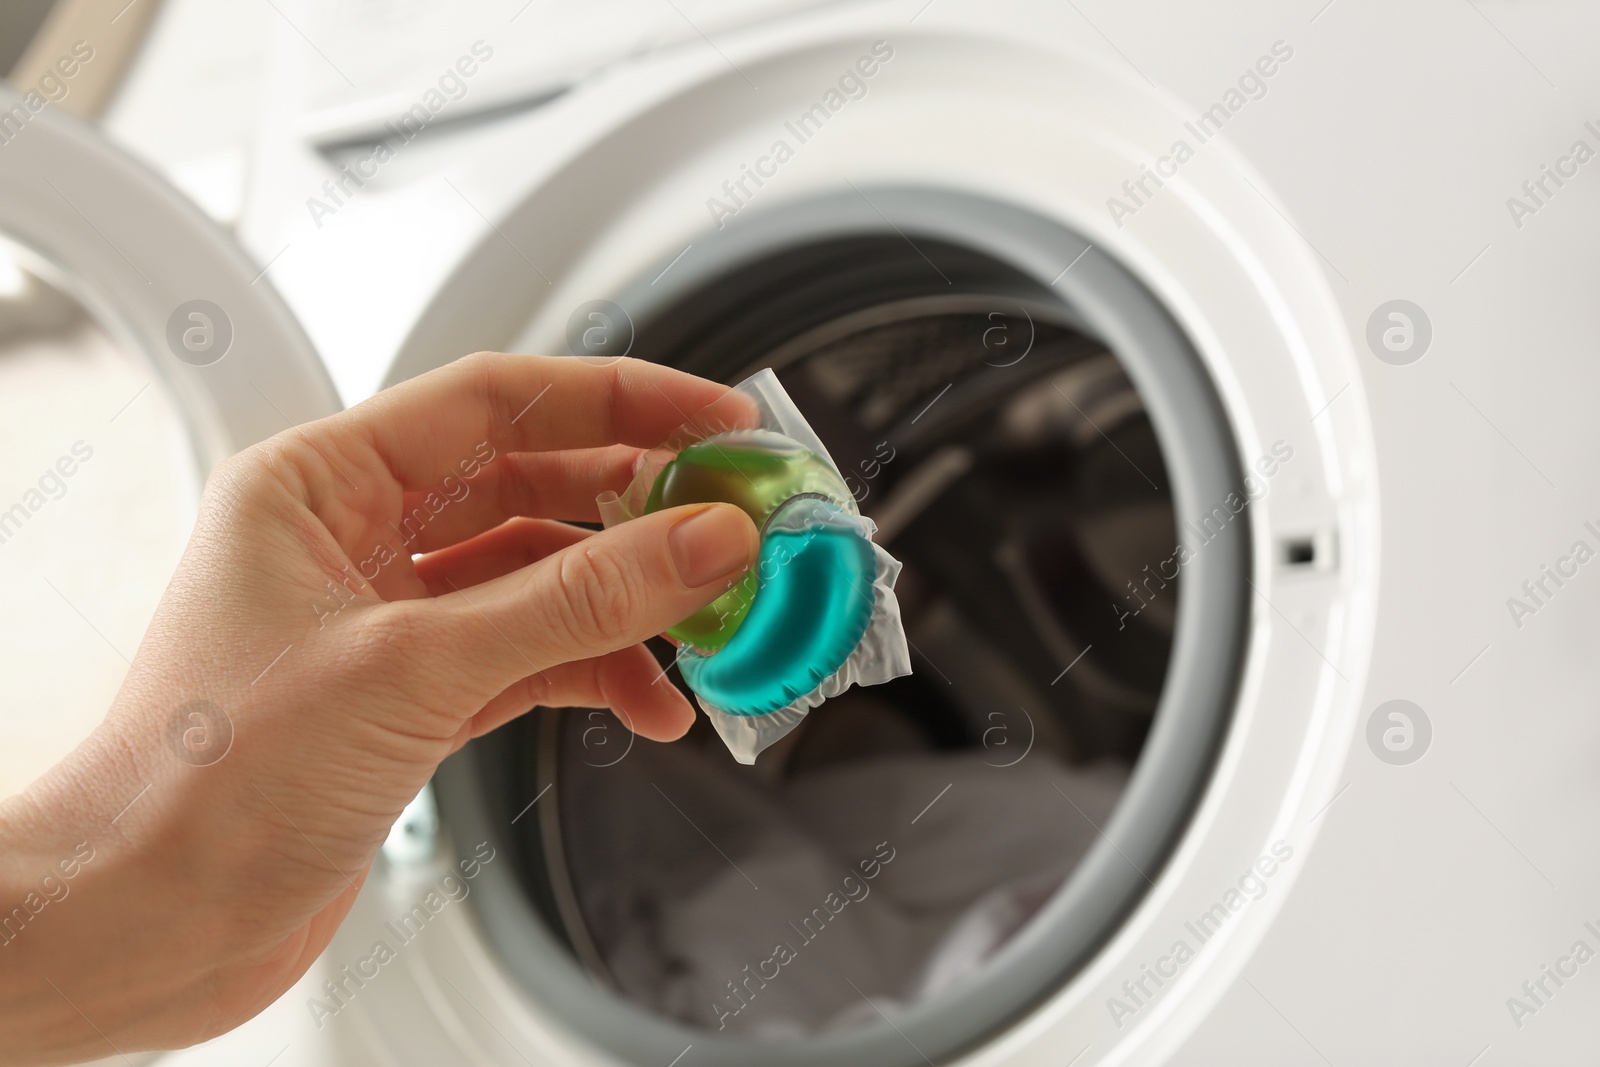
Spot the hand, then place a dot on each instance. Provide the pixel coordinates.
(304, 676)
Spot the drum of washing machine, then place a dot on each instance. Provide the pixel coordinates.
(1010, 463)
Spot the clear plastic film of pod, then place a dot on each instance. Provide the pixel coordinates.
(817, 613)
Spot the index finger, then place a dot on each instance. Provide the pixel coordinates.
(423, 428)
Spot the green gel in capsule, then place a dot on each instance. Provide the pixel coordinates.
(758, 471)
(816, 599)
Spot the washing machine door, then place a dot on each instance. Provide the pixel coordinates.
(138, 346)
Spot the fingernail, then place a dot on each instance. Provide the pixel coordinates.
(711, 544)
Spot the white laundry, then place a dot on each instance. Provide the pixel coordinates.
(701, 936)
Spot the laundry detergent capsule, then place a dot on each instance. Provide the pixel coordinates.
(817, 614)
(759, 471)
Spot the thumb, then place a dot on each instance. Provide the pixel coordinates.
(608, 591)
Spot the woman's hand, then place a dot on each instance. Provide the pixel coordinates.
(304, 675)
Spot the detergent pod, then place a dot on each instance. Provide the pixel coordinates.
(817, 613)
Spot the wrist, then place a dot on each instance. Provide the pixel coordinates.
(88, 963)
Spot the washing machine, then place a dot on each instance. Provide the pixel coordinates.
(1222, 379)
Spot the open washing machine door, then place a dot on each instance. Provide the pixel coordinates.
(138, 346)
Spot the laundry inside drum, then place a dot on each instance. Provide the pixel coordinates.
(891, 847)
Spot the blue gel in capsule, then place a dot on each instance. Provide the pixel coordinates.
(812, 606)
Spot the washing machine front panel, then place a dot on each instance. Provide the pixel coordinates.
(643, 210)
(1359, 267)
